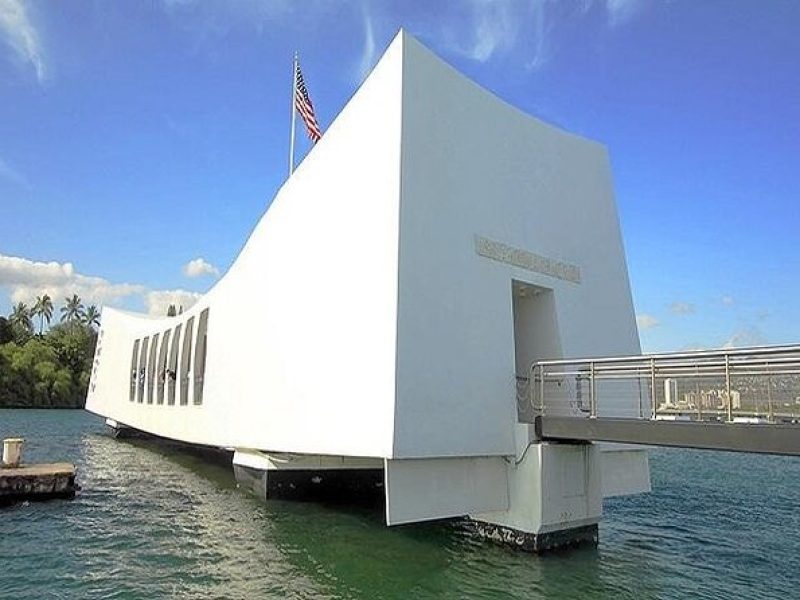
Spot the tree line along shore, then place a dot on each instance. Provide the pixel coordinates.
(47, 366)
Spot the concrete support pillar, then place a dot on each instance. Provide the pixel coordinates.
(252, 479)
(555, 498)
(332, 478)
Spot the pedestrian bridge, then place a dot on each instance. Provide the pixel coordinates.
(745, 400)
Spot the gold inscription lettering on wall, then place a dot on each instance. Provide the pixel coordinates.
(526, 260)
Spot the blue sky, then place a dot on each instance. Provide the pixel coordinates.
(137, 137)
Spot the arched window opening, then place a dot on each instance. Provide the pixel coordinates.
(172, 368)
(142, 370)
(134, 370)
(200, 348)
(151, 369)
(186, 361)
(162, 366)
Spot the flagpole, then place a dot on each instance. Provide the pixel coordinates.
(294, 115)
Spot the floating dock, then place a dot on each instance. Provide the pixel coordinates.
(37, 482)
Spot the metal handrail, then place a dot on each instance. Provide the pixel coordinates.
(763, 350)
(753, 362)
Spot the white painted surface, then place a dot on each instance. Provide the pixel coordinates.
(553, 487)
(383, 330)
(312, 369)
(263, 461)
(474, 166)
(436, 488)
(12, 451)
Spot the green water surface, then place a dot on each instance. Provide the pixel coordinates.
(157, 523)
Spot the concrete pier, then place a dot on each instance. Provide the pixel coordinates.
(37, 482)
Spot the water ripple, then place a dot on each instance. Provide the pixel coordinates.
(153, 523)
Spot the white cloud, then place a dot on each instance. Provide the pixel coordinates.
(542, 27)
(682, 308)
(645, 321)
(21, 36)
(199, 267)
(622, 11)
(10, 174)
(25, 279)
(498, 27)
(492, 28)
(727, 300)
(209, 20)
(693, 348)
(370, 51)
(749, 336)
(158, 301)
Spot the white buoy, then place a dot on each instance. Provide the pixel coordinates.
(12, 451)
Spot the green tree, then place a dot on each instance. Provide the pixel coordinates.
(52, 370)
(91, 316)
(43, 308)
(21, 318)
(6, 331)
(31, 375)
(72, 309)
(74, 344)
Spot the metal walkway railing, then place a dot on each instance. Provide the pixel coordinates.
(745, 399)
(743, 383)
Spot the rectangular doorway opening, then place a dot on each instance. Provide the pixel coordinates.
(536, 337)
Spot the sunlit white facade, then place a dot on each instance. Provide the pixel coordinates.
(433, 244)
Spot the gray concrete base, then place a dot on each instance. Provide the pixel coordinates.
(252, 480)
(735, 437)
(120, 431)
(539, 542)
(37, 482)
(351, 486)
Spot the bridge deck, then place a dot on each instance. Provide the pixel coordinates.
(736, 437)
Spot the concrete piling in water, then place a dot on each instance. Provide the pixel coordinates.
(12, 452)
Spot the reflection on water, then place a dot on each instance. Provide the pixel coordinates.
(154, 522)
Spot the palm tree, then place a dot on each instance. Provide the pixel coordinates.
(91, 316)
(43, 309)
(72, 310)
(21, 316)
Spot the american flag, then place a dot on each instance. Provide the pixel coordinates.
(303, 105)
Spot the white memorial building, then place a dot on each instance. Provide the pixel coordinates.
(431, 246)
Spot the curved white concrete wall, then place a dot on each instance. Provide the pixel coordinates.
(385, 268)
(312, 367)
(475, 167)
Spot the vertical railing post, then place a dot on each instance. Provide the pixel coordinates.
(770, 413)
(592, 397)
(541, 389)
(697, 395)
(653, 391)
(728, 386)
(639, 382)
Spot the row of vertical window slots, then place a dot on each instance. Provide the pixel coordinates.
(155, 368)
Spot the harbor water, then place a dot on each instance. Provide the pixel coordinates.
(155, 522)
